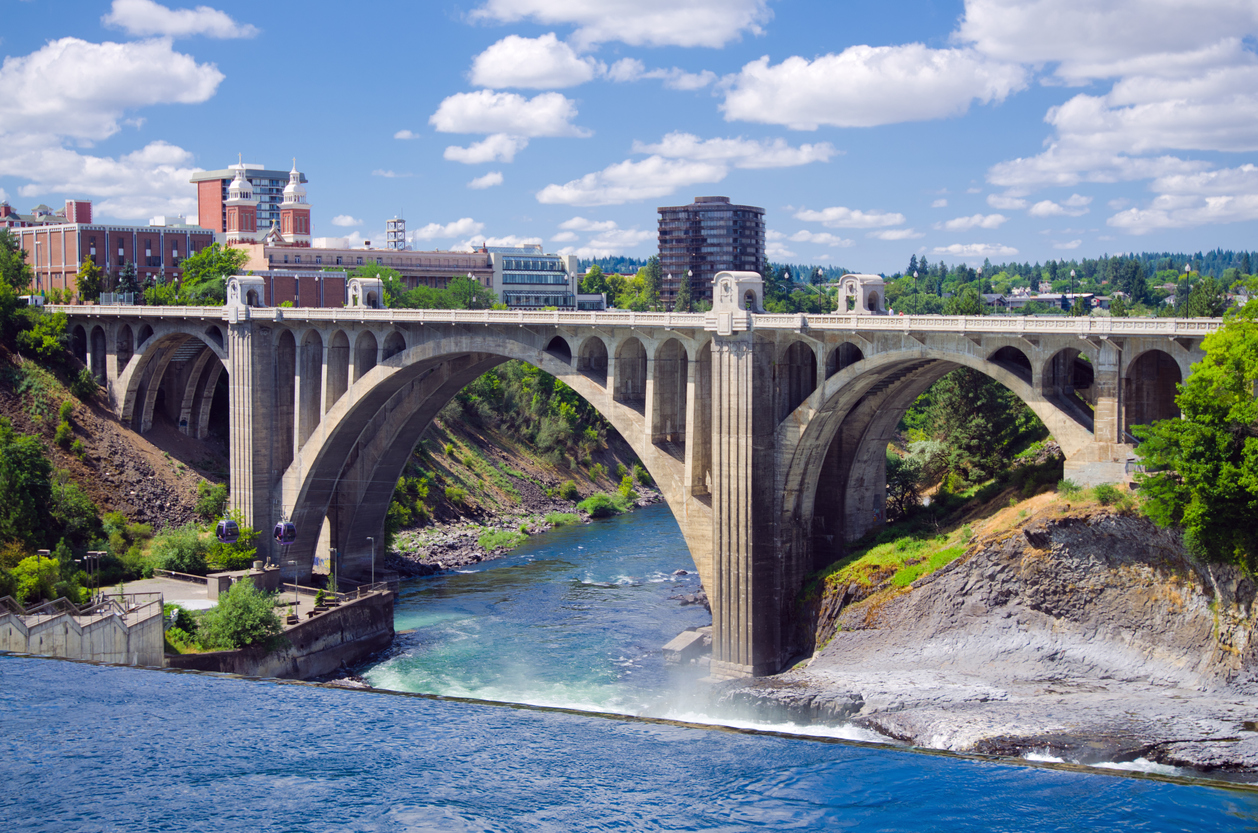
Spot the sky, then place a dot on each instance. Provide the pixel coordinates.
(869, 132)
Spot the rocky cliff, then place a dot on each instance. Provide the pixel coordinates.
(1089, 636)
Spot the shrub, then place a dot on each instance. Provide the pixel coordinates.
(562, 519)
(641, 475)
(626, 489)
(599, 505)
(83, 385)
(244, 616)
(211, 499)
(67, 408)
(449, 449)
(1068, 488)
(64, 435)
(621, 471)
(598, 471)
(456, 495)
(498, 539)
(1107, 494)
(184, 620)
(78, 449)
(568, 490)
(36, 577)
(182, 550)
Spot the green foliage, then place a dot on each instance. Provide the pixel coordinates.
(593, 283)
(244, 616)
(66, 410)
(621, 471)
(1068, 489)
(1201, 471)
(183, 618)
(600, 505)
(568, 490)
(598, 471)
(205, 274)
(237, 556)
(500, 539)
(456, 495)
(1207, 299)
(15, 272)
(408, 508)
(63, 435)
(25, 489)
(74, 516)
(181, 550)
(641, 475)
(83, 385)
(36, 577)
(562, 519)
(626, 489)
(45, 339)
(904, 475)
(967, 302)
(1118, 308)
(211, 499)
(1106, 494)
(88, 281)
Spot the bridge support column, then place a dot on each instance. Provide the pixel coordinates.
(746, 608)
(1104, 460)
(252, 402)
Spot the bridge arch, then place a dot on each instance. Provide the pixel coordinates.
(338, 369)
(669, 391)
(834, 479)
(78, 342)
(351, 463)
(841, 357)
(142, 376)
(592, 359)
(796, 376)
(366, 353)
(630, 371)
(1150, 383)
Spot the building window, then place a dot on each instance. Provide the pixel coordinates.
(318, 259)
(338, 261)
(360, 261)
(296, 258)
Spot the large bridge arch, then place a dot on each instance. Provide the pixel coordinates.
(836, 452)
(140, 380)
(364, 440)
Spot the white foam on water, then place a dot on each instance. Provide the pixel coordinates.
(1141, 765)
(841, 732)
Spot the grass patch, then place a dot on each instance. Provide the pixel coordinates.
(496, 539)
(603, 505)
(562, 519)
(899, 562)
(39, 389)
(488, 472)
(910, 573)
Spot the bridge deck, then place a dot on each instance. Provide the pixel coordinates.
(1016, 325)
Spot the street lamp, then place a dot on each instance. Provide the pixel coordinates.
(1178, 294)
(373, 559)
(35, 265)
(915, 292)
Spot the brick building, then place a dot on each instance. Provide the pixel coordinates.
(57, 242)
(708, 236)
(265, 185)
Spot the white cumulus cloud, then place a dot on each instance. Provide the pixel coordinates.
(825, 238)
(81, 90)
(405, 134)
(1067, 245)
(895, 234)
(939, 203)
(841, 217)
(540, 63)
(1006, 202)
(988, 221)
(496, 148)
(583, 224)
(487, 111)
(462, 227)
(864, 86)
(711, 23)
(1075, 206)
(631, 180)
(489, 180)
(387, 174)
(346, 221)
(974, 251)
(143, 18)
(740, 152)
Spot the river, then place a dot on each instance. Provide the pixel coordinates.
(574, 619)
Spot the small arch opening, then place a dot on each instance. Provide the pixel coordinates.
(631, 374)
(845, 355)
(146, 332)
(215, 335)
(558, 347)
(1149, 389)
(394, 343)
(796, 377)
(1013, 360)
(592, 359)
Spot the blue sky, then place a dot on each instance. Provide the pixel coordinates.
(869, 132)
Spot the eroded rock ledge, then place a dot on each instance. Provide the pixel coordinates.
(1091, 637)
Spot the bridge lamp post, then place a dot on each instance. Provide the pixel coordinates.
(1180, 309)
(915, 292)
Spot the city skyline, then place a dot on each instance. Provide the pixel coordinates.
(955, 131)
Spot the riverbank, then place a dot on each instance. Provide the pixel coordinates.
(1082, 635)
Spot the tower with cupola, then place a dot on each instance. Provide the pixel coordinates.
(242, 210)
(295, 211)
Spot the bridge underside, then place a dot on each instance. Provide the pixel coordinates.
(767, 440)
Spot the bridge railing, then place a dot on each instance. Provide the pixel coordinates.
(1012, 324)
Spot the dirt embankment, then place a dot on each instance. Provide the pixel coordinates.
(149, 478)
(1089, 636)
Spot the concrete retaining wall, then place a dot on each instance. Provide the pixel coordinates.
(133, 639)
(344, 635)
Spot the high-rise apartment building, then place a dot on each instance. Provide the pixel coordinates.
(708, 236)
(266, 185)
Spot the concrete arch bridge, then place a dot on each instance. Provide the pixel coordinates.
(765, 433)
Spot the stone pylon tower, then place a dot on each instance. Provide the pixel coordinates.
(295, 211)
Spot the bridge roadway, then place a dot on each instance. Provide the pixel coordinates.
(765, 433)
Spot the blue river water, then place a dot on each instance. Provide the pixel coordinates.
(573, 620)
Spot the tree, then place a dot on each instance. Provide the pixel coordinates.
(594, 281)
(1206, 299)
(205, 273)
(14, 270)
(683, 301)
(967, 302)
(469, 293)
(128, 281)
(244, 616)
(1118, 307)
(1081, 307)
(25, 488)
(1201, 471)
(654, 281)
(88, 281)
(980, 421)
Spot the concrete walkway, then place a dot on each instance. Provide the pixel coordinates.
(193, 596)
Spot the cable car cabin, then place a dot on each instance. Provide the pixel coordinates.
(228, 531)
(285, 533)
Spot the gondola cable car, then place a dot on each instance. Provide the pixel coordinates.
(285, 533)
(227, 531)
